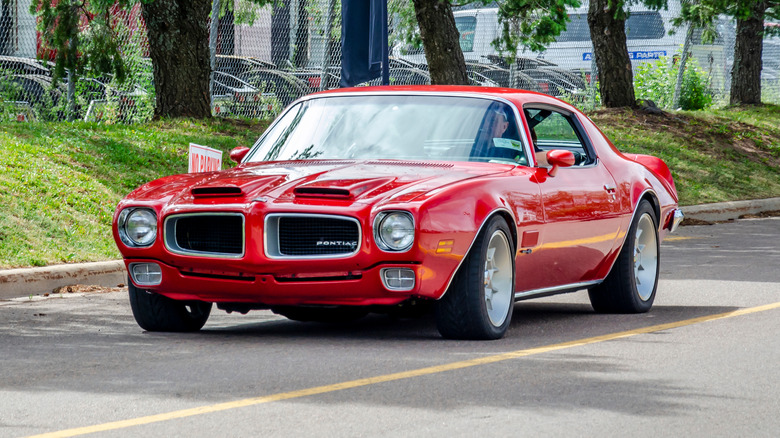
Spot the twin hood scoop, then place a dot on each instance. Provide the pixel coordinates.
(236, 186)
(340, 188)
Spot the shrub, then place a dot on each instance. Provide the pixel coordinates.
(656, 81)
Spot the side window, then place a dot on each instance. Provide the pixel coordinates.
(645, 26)
(466, 26)
(556, 130)
(498, 138)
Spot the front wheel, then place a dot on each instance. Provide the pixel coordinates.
(479, 302)
(631, 284)
(158, 313)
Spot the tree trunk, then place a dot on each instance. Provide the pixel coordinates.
(280, 34)
(746, 72)
(301, 54)
(608, 32)
(441, 42)
(179, 47)
(6, 28)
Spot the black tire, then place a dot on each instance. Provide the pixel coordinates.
(631, 284)
(465, 311)
(328, 315)
(158, 313)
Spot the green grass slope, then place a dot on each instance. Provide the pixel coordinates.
(724, 155)
(60, 182)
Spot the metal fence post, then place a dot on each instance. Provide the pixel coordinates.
(328, 52)
(681, 70)
(213, 46)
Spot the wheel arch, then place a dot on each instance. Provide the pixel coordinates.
(647, 195)
(652, 198)
(512, 225)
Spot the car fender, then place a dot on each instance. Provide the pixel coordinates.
(449, 226)
(658, 167)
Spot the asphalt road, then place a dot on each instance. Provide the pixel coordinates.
(704, 362)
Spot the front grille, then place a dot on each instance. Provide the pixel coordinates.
(311, 236)
(207, 234)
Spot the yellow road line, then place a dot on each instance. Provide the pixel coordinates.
(678, 238)
(395, 376)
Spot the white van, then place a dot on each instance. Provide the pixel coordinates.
(647, 33)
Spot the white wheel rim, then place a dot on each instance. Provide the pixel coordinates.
(645, 257)
(498, 278)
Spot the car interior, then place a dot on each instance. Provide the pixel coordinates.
(556, 130)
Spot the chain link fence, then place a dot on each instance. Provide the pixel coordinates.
(265, 57)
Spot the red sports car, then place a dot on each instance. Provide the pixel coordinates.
(382, 198)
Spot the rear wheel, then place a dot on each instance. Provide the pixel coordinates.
(480, 300)
(158, 313)
(631, 285)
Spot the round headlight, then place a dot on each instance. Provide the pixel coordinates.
(137, 226)
(394, 231)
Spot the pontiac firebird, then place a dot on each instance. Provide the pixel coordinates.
(375, 199)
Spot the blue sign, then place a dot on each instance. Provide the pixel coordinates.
(640, 55)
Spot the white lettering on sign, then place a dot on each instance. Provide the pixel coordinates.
(204, 159)
(650, 54)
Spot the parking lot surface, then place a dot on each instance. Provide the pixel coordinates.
(703, 362)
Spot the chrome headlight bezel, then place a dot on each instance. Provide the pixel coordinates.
(383, 230)
(135, 216)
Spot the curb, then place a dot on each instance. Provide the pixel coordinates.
(15, 283)
(726, 211)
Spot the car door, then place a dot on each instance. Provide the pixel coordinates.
(580, 210)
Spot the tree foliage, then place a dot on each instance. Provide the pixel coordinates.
(533, 24)
(82, 34)
(748, 46)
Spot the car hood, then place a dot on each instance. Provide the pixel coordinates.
(315, 181)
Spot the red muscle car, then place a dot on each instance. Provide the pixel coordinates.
(375, 199)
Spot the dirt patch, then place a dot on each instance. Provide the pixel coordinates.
(691, 221)
(84, 288)
(763, 214)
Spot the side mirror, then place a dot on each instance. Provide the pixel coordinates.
(559, 158)
(238, 154)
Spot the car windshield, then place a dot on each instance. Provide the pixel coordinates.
(411, 127)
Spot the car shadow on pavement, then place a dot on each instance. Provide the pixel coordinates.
(537, 321)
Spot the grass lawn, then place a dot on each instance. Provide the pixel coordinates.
(60, 182)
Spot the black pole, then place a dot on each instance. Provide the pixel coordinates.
(385, 47)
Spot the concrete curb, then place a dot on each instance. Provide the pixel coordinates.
(724, 211)
(23, 282)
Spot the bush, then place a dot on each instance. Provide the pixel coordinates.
(656, 81)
